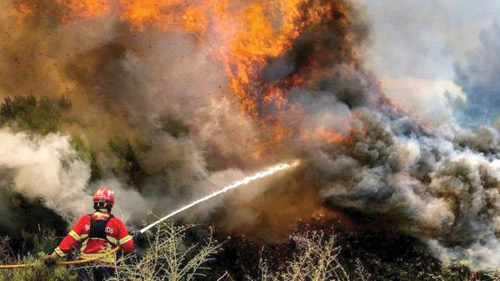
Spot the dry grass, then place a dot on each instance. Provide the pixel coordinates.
(4, 249)
(169, 257)
(315, 259)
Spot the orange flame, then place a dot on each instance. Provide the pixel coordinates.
(331, 137)
(242, 36)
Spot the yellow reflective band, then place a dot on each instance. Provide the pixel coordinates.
(59, 252)
(106, 257)
(125, 239)
(111, 239)
(74, 235)
(84, 236)
(84, 245)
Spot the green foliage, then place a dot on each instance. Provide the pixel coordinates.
(127, 161)
(168, 257)
(26, 215)
(37, 271)
(42, 243)
(86, 154)
(42, 116)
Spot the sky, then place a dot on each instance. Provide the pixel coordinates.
(416, 45)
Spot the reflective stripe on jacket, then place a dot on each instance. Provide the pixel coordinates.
(116, 235)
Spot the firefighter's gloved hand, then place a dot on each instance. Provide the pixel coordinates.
(136, 235)
(51, 260)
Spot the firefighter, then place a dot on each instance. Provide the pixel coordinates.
(97, 234)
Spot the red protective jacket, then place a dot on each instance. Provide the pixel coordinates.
(116, 235)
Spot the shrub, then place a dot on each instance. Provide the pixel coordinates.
(42, 116)
(169, 257)
(86, 154)
(316, 258)
(127, 162)
(41, 243)
(37, 271)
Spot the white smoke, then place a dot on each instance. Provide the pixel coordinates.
(47, 168)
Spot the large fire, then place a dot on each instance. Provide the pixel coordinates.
(199, 90)
(244, 36)
(249, 39)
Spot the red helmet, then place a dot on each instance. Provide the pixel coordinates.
(104, 194)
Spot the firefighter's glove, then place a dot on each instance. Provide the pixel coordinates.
(136, 235)
(51, 260)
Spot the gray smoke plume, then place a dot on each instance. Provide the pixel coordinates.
(479, 76)
(432, 188)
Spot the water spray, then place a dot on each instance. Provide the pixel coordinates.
(262, 174)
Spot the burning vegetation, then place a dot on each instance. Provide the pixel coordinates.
(167, 100)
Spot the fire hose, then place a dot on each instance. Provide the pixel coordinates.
(66, 263)
(262, 174)
(244, 181)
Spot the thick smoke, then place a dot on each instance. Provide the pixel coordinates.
(168, 92)
(48, 169)
(44, 168)
(479, 76)
(440, 185)
(124, 84)
(426, 186)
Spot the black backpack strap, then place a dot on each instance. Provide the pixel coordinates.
(98, 228)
